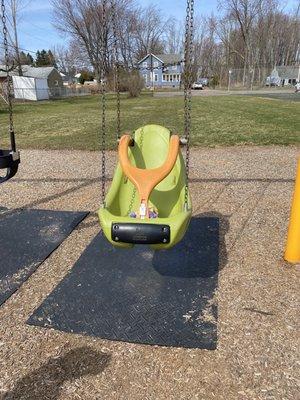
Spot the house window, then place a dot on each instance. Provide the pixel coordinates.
(171, 78)
(155, 77)
(175, 78)
(145, 64)
(164, 77)
(155, 64)
(178, 77)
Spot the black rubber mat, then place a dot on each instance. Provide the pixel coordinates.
(163, 298)
(27, 238)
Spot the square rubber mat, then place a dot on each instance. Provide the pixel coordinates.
(142, 296)
(27, 238)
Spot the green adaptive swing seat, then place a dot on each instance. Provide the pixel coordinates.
(149, 150)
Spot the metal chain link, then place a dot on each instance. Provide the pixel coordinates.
(9, 81)
(103, 100)
(116, 67)
(188, 59)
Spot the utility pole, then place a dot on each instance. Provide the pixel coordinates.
(252, 78)
(229, 80)
(13, 6)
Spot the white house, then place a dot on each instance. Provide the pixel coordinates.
(284, 75)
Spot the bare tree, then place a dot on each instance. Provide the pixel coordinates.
(149, 32)
(244, 12)
(83, 21)
(14, 12)
(67, 59)
(126, 18)
(250, 36)
(174, 37)
(294, 48)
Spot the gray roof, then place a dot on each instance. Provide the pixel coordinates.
(169, 58)
(30, 72)
(37, 72)
(287, 72)
(165, 58)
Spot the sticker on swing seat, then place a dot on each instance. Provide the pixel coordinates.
(27, 238)
(164, 297)
(140, 233)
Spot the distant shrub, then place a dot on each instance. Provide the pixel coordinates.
(214, 81)
(135, 84)
(95, 89)
(130, 81)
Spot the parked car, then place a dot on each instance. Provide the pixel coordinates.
(204, 81)
(197, 86)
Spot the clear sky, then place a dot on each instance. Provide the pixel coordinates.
(36, 30)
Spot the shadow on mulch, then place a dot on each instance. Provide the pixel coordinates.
(46, 382)
(224, 226)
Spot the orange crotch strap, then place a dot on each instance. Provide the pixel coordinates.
(145, 180)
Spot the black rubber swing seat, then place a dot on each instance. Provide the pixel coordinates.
(10, 161)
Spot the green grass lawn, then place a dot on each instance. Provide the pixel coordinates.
(74, 123)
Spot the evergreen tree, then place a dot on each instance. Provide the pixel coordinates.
(30, 59)
(38, 56)
(51, 59)
(23, 58)
(45, 59)
(26, 59)
(85, 76)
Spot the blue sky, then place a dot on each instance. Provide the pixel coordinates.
(36, 30)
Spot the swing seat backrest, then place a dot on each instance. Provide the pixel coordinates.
(145, 180)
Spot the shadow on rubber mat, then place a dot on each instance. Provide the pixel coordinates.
(141, 296)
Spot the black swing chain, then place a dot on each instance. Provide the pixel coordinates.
(103, 100)
(116, 67)
(9, 82)
(188, 60)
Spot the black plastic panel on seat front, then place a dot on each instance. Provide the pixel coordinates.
(140, 233)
